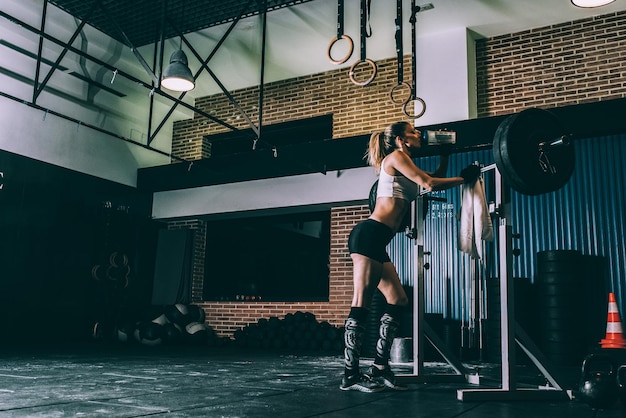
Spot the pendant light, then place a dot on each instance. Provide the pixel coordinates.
(591, 3)
(177, 75)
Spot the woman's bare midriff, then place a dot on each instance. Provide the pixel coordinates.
(390, 211)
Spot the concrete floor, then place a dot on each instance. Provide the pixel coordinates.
(136, 381)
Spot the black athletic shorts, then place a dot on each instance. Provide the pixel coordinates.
(370, 238)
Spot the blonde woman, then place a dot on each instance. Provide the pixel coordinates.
(399, 180)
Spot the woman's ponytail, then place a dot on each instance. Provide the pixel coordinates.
(375, 153)
(383, 143)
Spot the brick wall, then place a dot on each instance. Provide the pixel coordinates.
(565, 64)
(559, 65)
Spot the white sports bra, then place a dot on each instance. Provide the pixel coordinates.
(395, 186)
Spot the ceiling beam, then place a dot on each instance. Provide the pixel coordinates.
(66, 46)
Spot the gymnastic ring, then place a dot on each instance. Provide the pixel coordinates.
(420, 114)
(94, 272)
(398, 86)
(115, 257)
(110, 276)
(369, 80)
(125, 282)
(348, 55)
(95, 330)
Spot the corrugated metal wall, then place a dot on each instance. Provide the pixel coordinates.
(587, 215)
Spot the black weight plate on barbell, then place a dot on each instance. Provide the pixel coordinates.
(517, 155)
(502, 132)
(505, 131)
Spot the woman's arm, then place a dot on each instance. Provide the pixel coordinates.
(402, 163)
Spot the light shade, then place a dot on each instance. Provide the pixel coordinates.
(177, 75)
(591, 3)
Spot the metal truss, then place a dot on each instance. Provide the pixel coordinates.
(153, 71)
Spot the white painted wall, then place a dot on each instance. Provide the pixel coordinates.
(446, 76)
(36, 134)
(336, 188)
(45, 137)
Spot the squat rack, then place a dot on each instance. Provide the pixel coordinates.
(511, 331)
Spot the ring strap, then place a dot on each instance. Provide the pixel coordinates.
(413, 49)
(414, 10)
(366, 6)
(365, 33)
(340, 15)
(399, 46)
(340, 35)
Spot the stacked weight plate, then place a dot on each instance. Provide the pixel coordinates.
(560, 290)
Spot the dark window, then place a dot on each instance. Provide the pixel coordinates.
(302, 131)
(270, 258)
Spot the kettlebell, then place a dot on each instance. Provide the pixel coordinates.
(598, 384)
(621, 383)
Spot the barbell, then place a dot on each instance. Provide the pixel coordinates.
(532, 152)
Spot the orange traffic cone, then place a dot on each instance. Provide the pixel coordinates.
(614, 337)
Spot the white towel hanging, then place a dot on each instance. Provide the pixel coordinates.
(476, 225)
